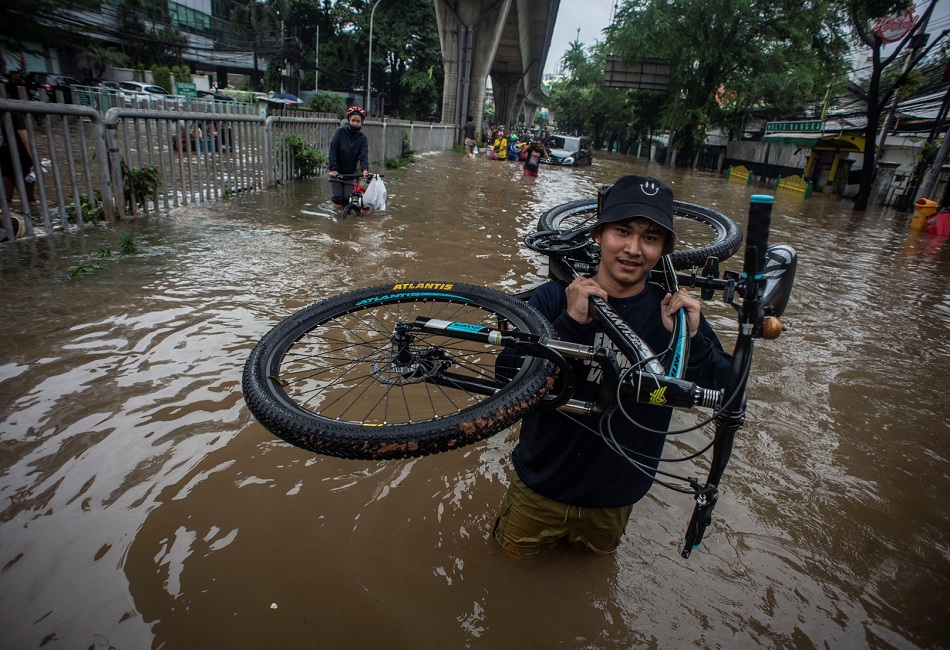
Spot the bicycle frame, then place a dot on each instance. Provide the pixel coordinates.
(306, 379)
(356, 196)
(764, 296)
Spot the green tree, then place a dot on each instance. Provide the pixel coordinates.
(256, 27)
(880, 89)
(761, 52)
(146, 33)
(99, 57)
(407, 64)
(581, 104)
(42, 22)
(406, 41)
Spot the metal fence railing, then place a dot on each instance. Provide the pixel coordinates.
(90, 165)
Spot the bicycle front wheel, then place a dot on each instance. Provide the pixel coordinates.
(351, 210)
(700, 232)
(345, 378)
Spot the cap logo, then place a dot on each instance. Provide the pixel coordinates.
(649, 188)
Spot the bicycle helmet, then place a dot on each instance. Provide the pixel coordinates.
(357, 110)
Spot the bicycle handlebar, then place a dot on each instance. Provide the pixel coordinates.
(351, 177)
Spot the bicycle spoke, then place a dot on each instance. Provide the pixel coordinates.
(347, 368)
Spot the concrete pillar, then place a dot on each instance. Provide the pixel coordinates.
(469, 32)
(508, 94)
(530, 110)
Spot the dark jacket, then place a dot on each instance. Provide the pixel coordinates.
(562, 456)
(347, 149)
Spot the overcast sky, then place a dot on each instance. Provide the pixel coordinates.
(592, 16)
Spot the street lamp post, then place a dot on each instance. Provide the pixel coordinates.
(369, 65)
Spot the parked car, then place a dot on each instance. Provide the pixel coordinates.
(49, 83)
(104, 84)
(140, 95)
(568, 150)
(137, 87)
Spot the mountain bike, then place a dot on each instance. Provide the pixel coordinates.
(408, 369)
(355, 205)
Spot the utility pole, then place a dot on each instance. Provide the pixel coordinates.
(930, 180)
(316, 64)
(929, 183)
(918, 41)
(369, 65)
(670, 157)
(283, 55)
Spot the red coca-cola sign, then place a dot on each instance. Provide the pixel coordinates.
(894, 28)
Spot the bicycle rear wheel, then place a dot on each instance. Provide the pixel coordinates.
(700, 232)
(335, 379)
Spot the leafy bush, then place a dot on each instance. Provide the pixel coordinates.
(139, 183)
(84, 269)
(128, 243)
(328, 103)
(89, 213)
(408, 153)
(308, 160)
(162, 75)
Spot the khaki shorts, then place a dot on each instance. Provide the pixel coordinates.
(531, 525)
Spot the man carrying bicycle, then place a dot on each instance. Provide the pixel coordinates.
(568, 481)
(348, 147)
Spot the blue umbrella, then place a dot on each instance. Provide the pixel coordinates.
(287, 98)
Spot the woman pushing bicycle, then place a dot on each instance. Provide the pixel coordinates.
(348, 148)
(569, 482)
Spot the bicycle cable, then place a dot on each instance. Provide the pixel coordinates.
(647, 470)
(727, 403)
(642, 467)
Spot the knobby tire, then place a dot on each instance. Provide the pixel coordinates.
(726, 236)
(327, 378)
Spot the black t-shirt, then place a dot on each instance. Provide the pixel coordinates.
(469, 130)
(560, 455)
(533, 161)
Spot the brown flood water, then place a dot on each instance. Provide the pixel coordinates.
(143, 507)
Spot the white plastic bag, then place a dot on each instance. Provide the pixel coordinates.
(371, 194)
(475, 150)
(381, 193)
(375, 195)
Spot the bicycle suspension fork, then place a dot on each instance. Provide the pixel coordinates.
(732, 415)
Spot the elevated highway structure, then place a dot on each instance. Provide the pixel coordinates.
(506, 40)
